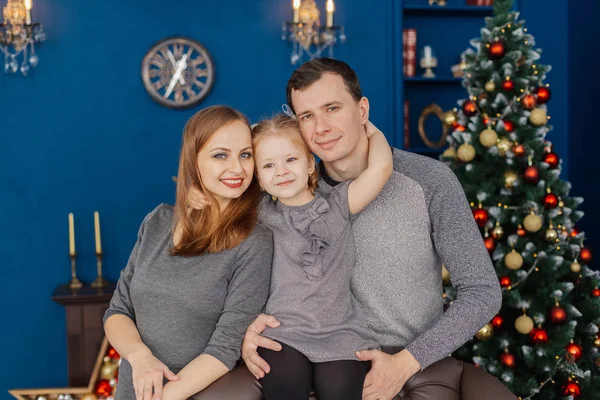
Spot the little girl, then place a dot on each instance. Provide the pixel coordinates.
(321, 325)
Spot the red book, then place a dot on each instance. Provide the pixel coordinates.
(409, 51)
(406, 126)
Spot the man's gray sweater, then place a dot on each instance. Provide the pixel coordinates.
(420, 220)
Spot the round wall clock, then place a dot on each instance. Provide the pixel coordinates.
(178, 72)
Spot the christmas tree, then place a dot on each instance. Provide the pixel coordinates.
(544, 343)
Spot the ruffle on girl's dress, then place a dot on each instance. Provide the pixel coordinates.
(312, 226)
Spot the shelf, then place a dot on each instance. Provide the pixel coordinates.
(425, 150)
(417, 10)
(437, 79)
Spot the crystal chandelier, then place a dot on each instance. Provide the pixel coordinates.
(306, 33)
(18, 36)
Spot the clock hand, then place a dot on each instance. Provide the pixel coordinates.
(181, 65)
(174, 63)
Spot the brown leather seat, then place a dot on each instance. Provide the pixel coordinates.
(447, 379)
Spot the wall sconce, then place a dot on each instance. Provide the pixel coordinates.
(307, 34)
(18, 36)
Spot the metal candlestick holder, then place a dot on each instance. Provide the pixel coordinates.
(428, 64)
(75, 282)
(99, 282)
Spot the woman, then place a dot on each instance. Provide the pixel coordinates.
(195, 278)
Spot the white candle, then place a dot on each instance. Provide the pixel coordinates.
(97, 232)
(71, 235)
(330, 10)
(427, 53)
(296, 6)
(28, 12)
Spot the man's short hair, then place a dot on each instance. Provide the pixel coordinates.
(311, 71)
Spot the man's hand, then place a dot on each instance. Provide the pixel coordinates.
(252, 341)
(388, 373)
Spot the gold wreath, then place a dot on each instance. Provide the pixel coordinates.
(437, 110)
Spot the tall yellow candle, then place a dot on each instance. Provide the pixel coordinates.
(71, 235)
(97, 231)
(296, 6)
(330, 10)
(28, 11)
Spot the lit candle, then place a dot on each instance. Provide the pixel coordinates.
(97, 231)
(71, 235)
(28, 14)
(427, 53)
(296, 5)
(330, 10)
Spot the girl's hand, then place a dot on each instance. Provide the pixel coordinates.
(147, 373)
(196, 199)
(371, 129)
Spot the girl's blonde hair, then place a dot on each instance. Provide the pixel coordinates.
(285, 126)
(209, 230)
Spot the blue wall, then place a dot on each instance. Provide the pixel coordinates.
(584, 141)
(80, 134)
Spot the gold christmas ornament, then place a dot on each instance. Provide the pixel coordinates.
(513, 260)
(89, 396)
(597, 342)
(575, 267)
(466, 152)
(503, 146)
(551, 235)
(449, 152)
(497, 232)
(488, 137)
(450, 117)
(532, 222)
(108, 371)
(445, 275)
(486, 332)
(524, 324)
(538, 117)
(490, 86)
(510, 177)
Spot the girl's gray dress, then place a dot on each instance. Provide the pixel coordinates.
(310, 292)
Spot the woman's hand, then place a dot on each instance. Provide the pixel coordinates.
(371, 129)
(197, 200)
(148, 372)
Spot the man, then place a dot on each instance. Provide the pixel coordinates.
(420, 220)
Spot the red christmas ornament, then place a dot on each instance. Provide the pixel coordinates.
(507, 359)
(596, 292)
(481, 216)
(521, 232)
(543, 94)
(486, 120)
(572, 389)
(505, 281)
(551, 159)
(528, 102)
(585, 255)
(531, 175)
(509, 126)
(518, 150)
(508, 86)
(496, 50)
(469, 108)
(490, 244)
(103, 388)
(574, 232)
(460, 128)
(112, 353)
(558, 315)
(497, 322)
(539, 335)
(550, 200)
(575, 351)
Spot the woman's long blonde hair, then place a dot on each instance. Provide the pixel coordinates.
(284, 126)
(210, 230)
